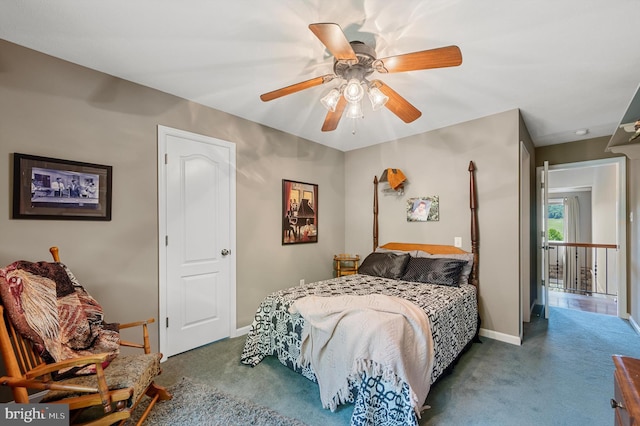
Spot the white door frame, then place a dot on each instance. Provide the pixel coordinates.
(163, 132)
(544, 235)
(621, 197)
(525, 237)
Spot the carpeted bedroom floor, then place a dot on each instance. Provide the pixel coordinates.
(561, 375)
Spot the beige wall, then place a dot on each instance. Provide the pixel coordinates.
(53, 108)
(573, 152)
(436, 163)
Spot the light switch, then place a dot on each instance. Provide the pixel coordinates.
(457, 241)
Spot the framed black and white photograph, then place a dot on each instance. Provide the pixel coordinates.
(299, 212)
(52, 188)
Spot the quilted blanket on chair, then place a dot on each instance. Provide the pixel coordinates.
(48, 306)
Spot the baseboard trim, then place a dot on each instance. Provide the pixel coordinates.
(634, 324)
(507, 338)
(242, 331)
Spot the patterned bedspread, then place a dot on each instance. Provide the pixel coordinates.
(452, 313)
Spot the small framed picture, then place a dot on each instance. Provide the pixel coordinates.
(55, 189)
(299, 212)
(423, 209)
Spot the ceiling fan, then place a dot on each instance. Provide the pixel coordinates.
(354, 62)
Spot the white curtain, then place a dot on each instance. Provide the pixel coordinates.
(573, 256)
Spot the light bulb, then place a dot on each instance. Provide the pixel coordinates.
(354, 110)
(330, 100)
(354, 91)
(377, 98)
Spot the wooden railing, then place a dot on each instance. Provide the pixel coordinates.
(591, 275)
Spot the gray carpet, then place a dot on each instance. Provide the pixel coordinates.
(562, 374)
(197, 404)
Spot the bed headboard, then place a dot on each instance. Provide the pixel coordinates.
(429, 248)
(437, 248)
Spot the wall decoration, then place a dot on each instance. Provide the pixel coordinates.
(51, 188)
(299, 212)
(423, 209)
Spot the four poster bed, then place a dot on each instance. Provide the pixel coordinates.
(381, 337)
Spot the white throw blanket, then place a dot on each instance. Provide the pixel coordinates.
(344, 336)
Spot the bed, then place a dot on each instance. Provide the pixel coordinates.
(441, 282)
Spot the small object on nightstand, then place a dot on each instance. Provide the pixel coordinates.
(345, 264)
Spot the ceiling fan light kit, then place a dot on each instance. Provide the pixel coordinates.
(330, 100)
(354, 91)
(353, 63)
(354, 110)
(377, 98)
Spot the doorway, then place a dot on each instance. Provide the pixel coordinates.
(600, 286)
(196, 202)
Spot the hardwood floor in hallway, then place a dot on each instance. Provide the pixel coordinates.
(599, 304)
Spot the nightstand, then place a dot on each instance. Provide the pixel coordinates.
(345, 264)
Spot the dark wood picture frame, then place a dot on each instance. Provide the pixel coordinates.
(299, 212)
(56, 189)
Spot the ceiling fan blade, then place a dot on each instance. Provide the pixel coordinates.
(333, 117)
(317, 81)
(449, 56)
(332, 36)
(397, 104)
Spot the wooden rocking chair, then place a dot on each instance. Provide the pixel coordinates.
(116, 390)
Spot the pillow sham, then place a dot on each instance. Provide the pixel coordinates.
(467, 257)
(385, 265)
(412, 253)
(434, 271)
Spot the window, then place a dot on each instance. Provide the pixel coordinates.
(556, 219)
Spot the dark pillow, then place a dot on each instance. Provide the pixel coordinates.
(434, 271)
(466, 269)
(386, 265)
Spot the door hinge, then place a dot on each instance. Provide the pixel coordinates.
(167, 322)
(166, 240)
(166, 158)
(541, 185)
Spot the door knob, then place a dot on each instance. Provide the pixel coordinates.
(225, 252)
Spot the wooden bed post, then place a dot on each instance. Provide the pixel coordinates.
(375, 213)
(475, 244)
(475, 237)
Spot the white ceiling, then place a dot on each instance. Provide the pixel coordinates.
(568, 65)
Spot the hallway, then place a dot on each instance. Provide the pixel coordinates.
(598, 304)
